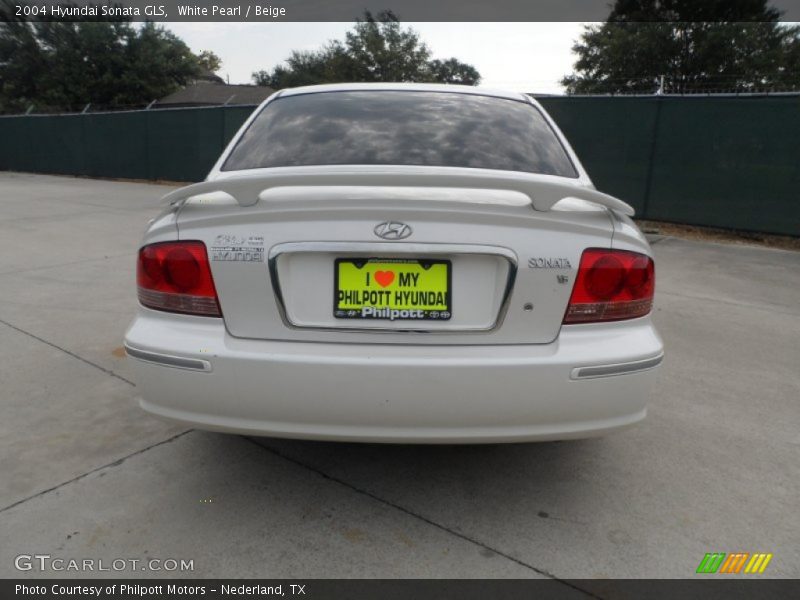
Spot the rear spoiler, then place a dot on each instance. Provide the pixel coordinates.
(544, 191)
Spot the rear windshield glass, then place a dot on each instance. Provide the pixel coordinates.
(401, 128)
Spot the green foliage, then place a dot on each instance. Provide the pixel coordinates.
(209, 61)
(66, 65)
(381, 50)
(326, 65)
(378, 48)
(453, 71)
(646, 39)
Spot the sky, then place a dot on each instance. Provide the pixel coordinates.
(524, 57)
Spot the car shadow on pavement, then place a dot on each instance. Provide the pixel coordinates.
(507, 476)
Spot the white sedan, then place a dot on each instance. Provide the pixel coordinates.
(396, 263)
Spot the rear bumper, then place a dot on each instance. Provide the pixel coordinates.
(592, 380)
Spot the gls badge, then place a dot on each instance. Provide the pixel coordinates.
(392, 230)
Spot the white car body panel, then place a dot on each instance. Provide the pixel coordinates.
(504, 368)
(379, 393)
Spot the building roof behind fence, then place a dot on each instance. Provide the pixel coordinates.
(204, 93)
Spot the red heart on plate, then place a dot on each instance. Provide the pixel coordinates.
(384, 278)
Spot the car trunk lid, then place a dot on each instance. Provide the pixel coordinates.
(275, 261)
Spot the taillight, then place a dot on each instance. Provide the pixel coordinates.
(611, 285)
(176, 277)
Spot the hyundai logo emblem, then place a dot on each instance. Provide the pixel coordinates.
(392, 230)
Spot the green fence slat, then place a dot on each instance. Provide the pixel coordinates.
(116, 145)
(728, 162)
(613, 138)
(16, 150)
(184, 144)
(235, 116)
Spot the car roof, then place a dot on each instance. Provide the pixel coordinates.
(405, 87)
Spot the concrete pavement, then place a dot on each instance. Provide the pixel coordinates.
(86, 474)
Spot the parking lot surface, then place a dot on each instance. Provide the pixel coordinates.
(86, 474)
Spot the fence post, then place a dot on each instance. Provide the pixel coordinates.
(648, 182)
(148, 162)
(82, 118)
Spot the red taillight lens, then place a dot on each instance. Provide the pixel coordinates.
(176, 277)
(611, 285)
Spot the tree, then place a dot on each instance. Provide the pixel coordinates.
(209, 61)
(383, 51)
(66, 65)
(453, 71)
(378, 48)
(329, 64)
(725, 45)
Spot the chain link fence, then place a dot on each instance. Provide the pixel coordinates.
(730, 161)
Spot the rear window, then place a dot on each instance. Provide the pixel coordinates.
(401, 128)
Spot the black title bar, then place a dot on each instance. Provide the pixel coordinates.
(325, 10)
(707, 587)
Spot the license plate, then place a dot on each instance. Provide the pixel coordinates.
(392, 289)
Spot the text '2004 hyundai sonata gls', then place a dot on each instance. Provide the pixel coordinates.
(399, 263)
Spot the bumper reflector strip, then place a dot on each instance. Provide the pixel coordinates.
(178, 362)
(617, 369)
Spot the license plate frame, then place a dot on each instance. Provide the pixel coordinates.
(391, 310)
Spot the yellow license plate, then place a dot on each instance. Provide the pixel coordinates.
(392, 289)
